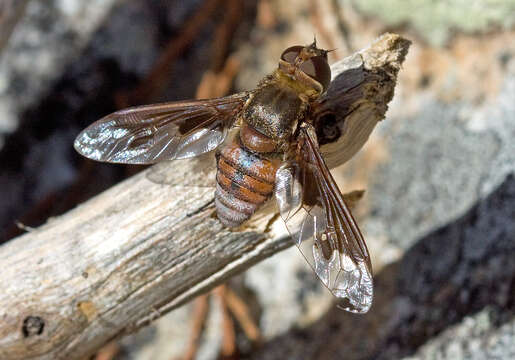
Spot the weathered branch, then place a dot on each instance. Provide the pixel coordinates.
(141, 248)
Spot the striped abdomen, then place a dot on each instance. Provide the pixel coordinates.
(244, 181)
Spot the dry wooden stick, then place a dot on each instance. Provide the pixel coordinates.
(140, 249)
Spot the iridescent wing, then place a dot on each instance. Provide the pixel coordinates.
(168, 131)
(322, 226)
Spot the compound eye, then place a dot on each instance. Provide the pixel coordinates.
(317, 68)
(290, 54)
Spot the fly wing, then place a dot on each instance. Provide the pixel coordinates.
(168, 131)
(322, 225)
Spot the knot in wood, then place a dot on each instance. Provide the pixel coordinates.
(32, 325)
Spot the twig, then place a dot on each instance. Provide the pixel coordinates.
(241, 312)
(200, 310)
(229, 334)
(157, 79)
(218, 84)
(225, 32)
(108, 266)
(108, 352)
(265, 15)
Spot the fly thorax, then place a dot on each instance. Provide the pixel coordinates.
(273, 111)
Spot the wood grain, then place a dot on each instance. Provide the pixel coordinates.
(142, 248)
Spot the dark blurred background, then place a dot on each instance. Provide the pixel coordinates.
(439, 211)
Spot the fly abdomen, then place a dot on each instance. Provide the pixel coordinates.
(244, 180)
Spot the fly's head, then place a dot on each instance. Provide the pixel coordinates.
(306, 68)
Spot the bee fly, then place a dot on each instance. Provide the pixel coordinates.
(275, 151)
